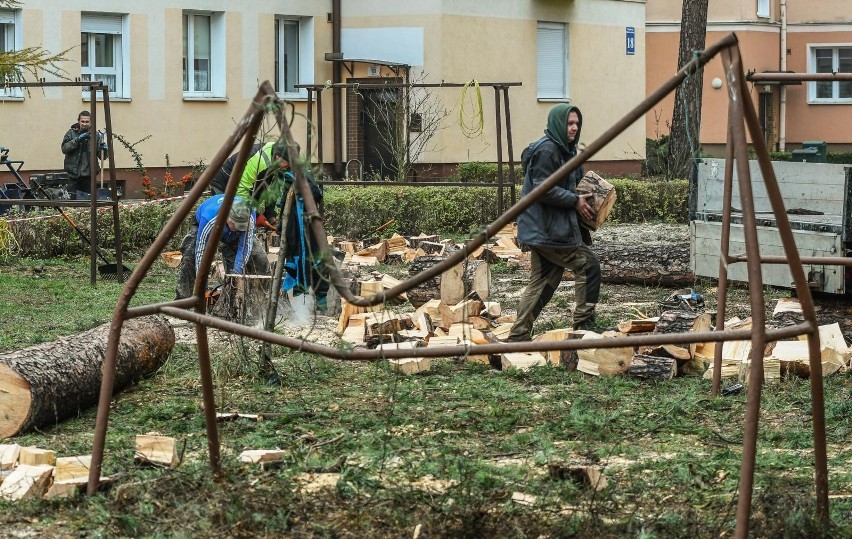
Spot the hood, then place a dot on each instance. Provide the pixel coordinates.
(557, 125)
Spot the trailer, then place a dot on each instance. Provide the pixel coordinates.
(818, 201)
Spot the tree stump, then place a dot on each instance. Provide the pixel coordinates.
(244, 298)
(431, 289)
(49, 382)
(652, 368)
(468, 276)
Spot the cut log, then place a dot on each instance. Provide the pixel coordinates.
(68, 468)
(795, 358)
(491, 309)
(49, 382)
(646, 264)
(460, 280)
(26, 482)
(453, 314)
(501, 332)
(479, 323)
(432, 248)
(9, 456)
(771, 370)
(35, 456)
(431, 289)
(677, 321)
(602, 361)
(645, 325)
(652, 368)
(72, 487)
(602, 200)
(415, 241)
(244, 298)
(259, 456)
(559, 357)
(522, 361)
(410, 365)
(379, 251)
(475, 358)
(152, 449)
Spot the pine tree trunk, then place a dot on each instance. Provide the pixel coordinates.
(686, 120)
(49, 382)
(653, 265)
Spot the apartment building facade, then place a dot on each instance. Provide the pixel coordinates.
(182, 75)
(800, 36)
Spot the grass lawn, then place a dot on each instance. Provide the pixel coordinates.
(460, 451)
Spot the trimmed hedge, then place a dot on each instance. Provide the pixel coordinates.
(353, 212)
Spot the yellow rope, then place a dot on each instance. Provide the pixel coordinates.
(9, 245)
(471, 122)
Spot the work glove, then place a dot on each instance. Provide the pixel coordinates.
(82, 137)
(104, 147)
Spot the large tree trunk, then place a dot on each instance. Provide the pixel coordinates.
(654, 265)
(49, 382)
(686, 119)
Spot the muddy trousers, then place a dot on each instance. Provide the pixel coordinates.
(546, 268)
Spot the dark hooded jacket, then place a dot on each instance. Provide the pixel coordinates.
(77, 154)
(552, 220)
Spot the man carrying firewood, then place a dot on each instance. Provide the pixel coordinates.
(550, 228)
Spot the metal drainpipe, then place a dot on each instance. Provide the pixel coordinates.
(782, 111)
(336, 93)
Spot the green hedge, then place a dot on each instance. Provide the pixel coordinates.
(353, 212)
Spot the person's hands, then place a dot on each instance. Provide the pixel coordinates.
(82, 137)
(585, 210)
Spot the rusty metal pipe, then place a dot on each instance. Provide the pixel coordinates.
(819, 260)
(509, 148)
(722, 293)
(805, 299)
(499, 132)
(130, 287)
(116, 226)
(797, 77)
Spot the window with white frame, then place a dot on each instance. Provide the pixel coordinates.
(293, 55)
(105, 52)
(203, 54)
(763, 8)
(9, 41)
(552, 60)
(830, 59)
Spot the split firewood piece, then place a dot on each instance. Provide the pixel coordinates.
(404, 345)
(34, 456)
(466, 331)
(433, 309)
(432, 248)
(364, 260)
(460, 280)
(475, 358)
(522, 361)
(34, 394)
(67, 488)
(445, 340)
(645, 325)
(482, 324)
(510, 230)
(348, 310)
(505, 319)
(677, 321)
(501, 332)
(423, 327)
(409, 255)
(787, 305)
(379, 251)
(602, 200)
(652, 368)
(428, 290)
(67, 468)
(396, 245)
(491, 309)
(260, 456)
(153, 449)
(410, 365)
(835, 353)
(602, 361)
(507, 242)
(451, 314)
(771, 370)
(9, 456)
(26, 481)
(484, 254)
(389, 282)
(415, 241)
(795, 358)
(385, 323)
(558, 357)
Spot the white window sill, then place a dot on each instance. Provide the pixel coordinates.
(553, 99)
(294, 97)
(11, 98)
(835, 102)
(204, 98)
(112, 99)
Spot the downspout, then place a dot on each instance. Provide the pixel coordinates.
(782, 112)
(336, 92)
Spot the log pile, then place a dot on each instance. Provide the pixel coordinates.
(32, 472)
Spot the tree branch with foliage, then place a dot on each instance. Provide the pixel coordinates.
(35, 61)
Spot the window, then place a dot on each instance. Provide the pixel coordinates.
(293, 55)
(824, 59)
(763, 8)
(9, 41)
(203, 55)
(552, 60)
(104, 52)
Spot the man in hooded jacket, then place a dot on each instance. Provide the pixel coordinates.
(550, 227)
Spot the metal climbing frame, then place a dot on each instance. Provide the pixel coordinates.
(741, 114)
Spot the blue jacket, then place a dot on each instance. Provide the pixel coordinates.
(206, 218)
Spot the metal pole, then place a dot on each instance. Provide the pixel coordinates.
(499, 133)
(93, 161)
(509, 145)
(116, 228)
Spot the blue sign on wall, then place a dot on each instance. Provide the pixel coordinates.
(631, 40)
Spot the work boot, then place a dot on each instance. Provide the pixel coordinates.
(591, 324)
